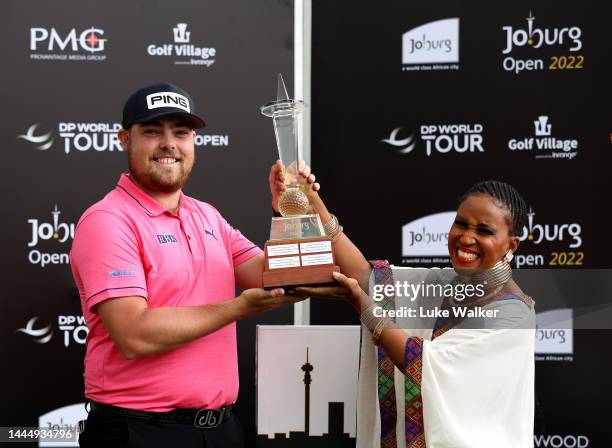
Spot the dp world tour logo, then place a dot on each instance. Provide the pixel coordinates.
(73, 327)
(402, 146)
(39, 335)
(439, 139)
(77, 136)
(42, 141)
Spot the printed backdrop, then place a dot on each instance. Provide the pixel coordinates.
(69, 66)
(412, 103)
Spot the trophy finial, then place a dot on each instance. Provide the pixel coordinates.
(281, 90)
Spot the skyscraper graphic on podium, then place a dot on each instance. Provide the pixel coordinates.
(334, 438)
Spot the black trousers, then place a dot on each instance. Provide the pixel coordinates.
(114, 431)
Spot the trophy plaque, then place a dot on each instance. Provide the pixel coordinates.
(298, 252)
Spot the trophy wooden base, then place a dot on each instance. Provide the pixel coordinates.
(299, 262)
(294, 277)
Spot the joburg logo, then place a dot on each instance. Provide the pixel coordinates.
(554, 334)
(47, 231)
(556, 39)
(182, 50)
(65, 420)
(432, 46)
(72, 326)
(562, 245)
(536, 233)
(543, 144)
(50, 44)
(425, 240)
(441, 139)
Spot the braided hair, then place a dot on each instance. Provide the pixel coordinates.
(506, 197)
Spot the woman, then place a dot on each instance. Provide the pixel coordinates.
(461, 382)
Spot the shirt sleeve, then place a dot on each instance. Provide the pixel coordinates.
(105, 259)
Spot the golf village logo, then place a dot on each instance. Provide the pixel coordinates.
(557, 47)
(71, 327)
(425, 240)
(182, 50)
(438, 139)
(431, 46)
(543, 145)
(42, 232)
(76, 137)
(74, 45)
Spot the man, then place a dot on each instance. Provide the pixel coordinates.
(156, 272)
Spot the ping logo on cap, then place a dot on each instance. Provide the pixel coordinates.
(168, 99)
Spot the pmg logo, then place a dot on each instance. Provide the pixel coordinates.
(74, 45)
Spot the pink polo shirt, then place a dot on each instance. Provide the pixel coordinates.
(130, 245)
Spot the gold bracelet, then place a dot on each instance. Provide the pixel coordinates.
(338, 233)
(332, 227)
(368, 317)
(380, 326)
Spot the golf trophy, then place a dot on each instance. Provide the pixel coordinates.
(298, 252)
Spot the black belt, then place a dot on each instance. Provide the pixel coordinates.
(200, 418)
